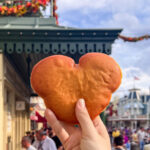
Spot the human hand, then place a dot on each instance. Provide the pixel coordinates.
(91, 135)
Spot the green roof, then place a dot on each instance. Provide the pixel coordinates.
(36, 23)
(37, 38)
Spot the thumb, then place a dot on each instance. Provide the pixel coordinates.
(84, 119)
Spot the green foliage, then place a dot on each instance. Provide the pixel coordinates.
(103, 117)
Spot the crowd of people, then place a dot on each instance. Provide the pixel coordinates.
(88, 135)
(130, 139)
(43, 139)
(121, 139)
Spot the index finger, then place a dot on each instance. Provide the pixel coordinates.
(99, 125)
(56, 126)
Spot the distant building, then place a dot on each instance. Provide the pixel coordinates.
(133, 111)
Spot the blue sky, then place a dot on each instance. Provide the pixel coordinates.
(133, 16)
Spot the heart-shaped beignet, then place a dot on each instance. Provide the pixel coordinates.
(61, 83)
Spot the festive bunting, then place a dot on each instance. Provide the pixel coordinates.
(136, 78)
(19, 9)
(27, 9)
(54, 11)
(134, 39)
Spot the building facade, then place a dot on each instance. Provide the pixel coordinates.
(14, 106)
(23, 42)
(132, 111)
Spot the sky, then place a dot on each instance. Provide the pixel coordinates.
(133, 16)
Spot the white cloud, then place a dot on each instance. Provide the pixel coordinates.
(122, 20)
(70, 5)
(128, 81)
(123, 12)
(131, 15)
(104, 5)
(130, 6)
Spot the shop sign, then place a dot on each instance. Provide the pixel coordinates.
(20, 105)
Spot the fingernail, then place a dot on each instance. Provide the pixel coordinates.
(81, 103)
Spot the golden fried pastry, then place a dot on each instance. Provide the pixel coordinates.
(61, 82)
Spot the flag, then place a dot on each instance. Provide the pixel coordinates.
(136, 78)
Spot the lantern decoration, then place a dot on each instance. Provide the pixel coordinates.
(20, 9)
(134, 39)
(54, 11)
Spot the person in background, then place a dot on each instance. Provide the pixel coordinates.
(56, 139)
(147, 145)
(45, 143)
(32, 137)
(128, 145)
(28, 133)
(141, 137)
(110, 135)
(115, 133)
(37, 140)
(147, 136)
(135, 141)
(134, 137)
(118, 143)
(26, 143)
(125, 137)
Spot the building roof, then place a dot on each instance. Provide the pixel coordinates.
(134, 94)
(27, 40)
(36, 23)
(136, 100)
(137, 105)
(29, 23)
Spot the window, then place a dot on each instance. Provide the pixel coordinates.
(142, 98)
(130, 95)
(134, 95)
